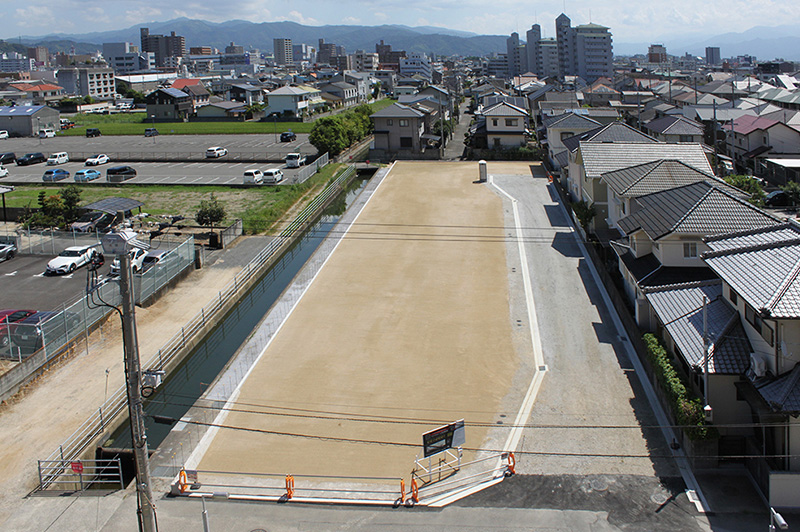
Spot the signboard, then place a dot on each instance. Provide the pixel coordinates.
(191, 476)
(77, 467)
(443, 438)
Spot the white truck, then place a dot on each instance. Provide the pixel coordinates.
(295, 160)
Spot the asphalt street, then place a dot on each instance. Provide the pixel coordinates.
(218, 172)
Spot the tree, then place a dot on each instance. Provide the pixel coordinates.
(58, 210)
(792, 190)
(329, 135)
(750, 185)
(585, 212)
(211, 212)
(70, 199)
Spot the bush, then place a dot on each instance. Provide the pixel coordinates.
(687, 410)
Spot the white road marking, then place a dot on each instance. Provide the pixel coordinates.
(12, 273)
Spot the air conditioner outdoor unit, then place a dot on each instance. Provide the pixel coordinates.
(758, 364)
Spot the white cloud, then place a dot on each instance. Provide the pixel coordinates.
(35, 16)
(422, 21)
(298, 17)
(351, 20)
(379, 15)
(143, 14)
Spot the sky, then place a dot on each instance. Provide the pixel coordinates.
(629, 20)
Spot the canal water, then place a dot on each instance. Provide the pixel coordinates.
(189, 381)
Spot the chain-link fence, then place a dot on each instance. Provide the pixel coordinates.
(155, 277)
(47, 241)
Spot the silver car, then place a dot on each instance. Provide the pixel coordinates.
(7, 251)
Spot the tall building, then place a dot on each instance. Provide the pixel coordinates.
(283, 51)
(517, 56)
(39, 54)
(304, 53)
(162, 46)
(364, 61)
(235, 49)
(565, 36)
(712, 55)
(585, 51)
(548, 57)
(416, 64)
(533, 39)
(657, 53)
(98, 83)
(125, 58)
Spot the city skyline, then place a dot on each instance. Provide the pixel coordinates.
(629, 21)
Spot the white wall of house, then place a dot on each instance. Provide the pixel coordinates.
(682, 250)
(783, 139)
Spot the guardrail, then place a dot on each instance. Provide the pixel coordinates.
(80, 475)
(93, 427)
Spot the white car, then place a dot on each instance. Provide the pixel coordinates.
(216, 151)
(46, 133)
(137, 261)
(58, 158)
(3, 171)
(253, 176)
(95, 160)
(3, 134)
(273, 176)
(71, 259)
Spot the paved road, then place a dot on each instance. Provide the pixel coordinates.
(219, 172)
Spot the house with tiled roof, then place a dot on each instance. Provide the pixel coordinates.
(664, 238)
(294, 100)
(37, 93)
(398, 131)
(760, 273)
(564, 126)
(168, 105)
(506, 126)
(593, 159)
(675, 128)
(751, 139)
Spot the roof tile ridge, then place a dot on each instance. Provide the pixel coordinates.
(747, 232)
(677, 286)
(781, 291)
(755, 247)
(791, 382)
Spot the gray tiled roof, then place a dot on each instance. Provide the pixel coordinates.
(772, 234)
(675, 125)
(783, 393)
(504, 109)
(570, 120)
(613, 132)
(697, 209)
(397, 110)
(766, 276)
(661, 175)
(602, 157)
(680, 309)
(562, 158)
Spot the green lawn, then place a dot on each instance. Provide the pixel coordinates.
(258, 207)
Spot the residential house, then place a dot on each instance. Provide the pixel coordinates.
(506, 126)
(751, 139)
(663, 240)
(227, 110)
(294, 100)
(560, 127)
(760, 273)
(168, 105)
(198, 94)
(246, 93)
(35, 93)
(675, 128)
(398, 131)
(344, 94)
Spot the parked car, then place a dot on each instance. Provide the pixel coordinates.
(777, 198)
(46, 133)
(87, 174)
(3, 134)
(56, 174)
(215, 152)
(7, 317)
(288, 136)
(3, 171)
(66, 123)
(151, 132)
(137, 261)
(31, 158)
(92, 220)
(95, 160)
(153, 257)
(253, 177)
(71, 259)
(295, 160)
(118, 174)
(7, 251)
(273, 176)
(8, 158)
(32, 332)
(60, 157)
(92, 132)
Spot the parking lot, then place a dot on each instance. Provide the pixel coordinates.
(164, 147)
(219, 172)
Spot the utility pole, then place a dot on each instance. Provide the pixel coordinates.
(707, 411)
(119, 244)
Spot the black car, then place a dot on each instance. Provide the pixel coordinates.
(288, 136)
(92, 132)
(777, 198)
(117, 174)
(31, 158)
(32, 332)
(151, 132)
(7, 158)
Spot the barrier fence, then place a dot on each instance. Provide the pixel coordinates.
(155, 278)
(313, 168)
(80, 475)
(255, 156)
(97, 423)
(231, 233)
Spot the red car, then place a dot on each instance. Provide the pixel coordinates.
(10, 316)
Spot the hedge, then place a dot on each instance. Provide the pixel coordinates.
(687, 410)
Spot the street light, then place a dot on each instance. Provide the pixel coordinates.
(153, 133)
(39, 129)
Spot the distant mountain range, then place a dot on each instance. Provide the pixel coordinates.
(763, 42)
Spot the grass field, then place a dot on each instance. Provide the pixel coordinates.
(258, 207)
(135, 124)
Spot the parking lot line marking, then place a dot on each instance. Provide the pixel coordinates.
(12, 273)
(69, 276)
(39, 274)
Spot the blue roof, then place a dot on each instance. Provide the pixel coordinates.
(20, 110)
(175, 93)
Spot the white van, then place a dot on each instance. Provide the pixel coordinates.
(3, 134)
(60, 157)
(46, 133)
(253, 177)
(273, 176)
(295, 160)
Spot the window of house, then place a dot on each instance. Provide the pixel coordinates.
(405, 142)
(389, 122)
(494, 121)
(685, 138)
(733, 296)
(566, 134)
(403, 122)
(511, 122)
(758, 324)
(689, 250)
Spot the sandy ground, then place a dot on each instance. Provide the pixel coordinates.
(408, 319)
(54, 406)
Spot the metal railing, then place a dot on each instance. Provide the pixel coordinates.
(48, 241)
(312, 168)
(231, 233)
(80, 475)
(156, 277)
(93, 427)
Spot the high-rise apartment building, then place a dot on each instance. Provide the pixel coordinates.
(712, 55)
(283, 51)
(39, 54)
(125, 58)
(162, 46)
(657, 53)
(517, 56)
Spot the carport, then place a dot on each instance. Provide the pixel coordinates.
(114, 205)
